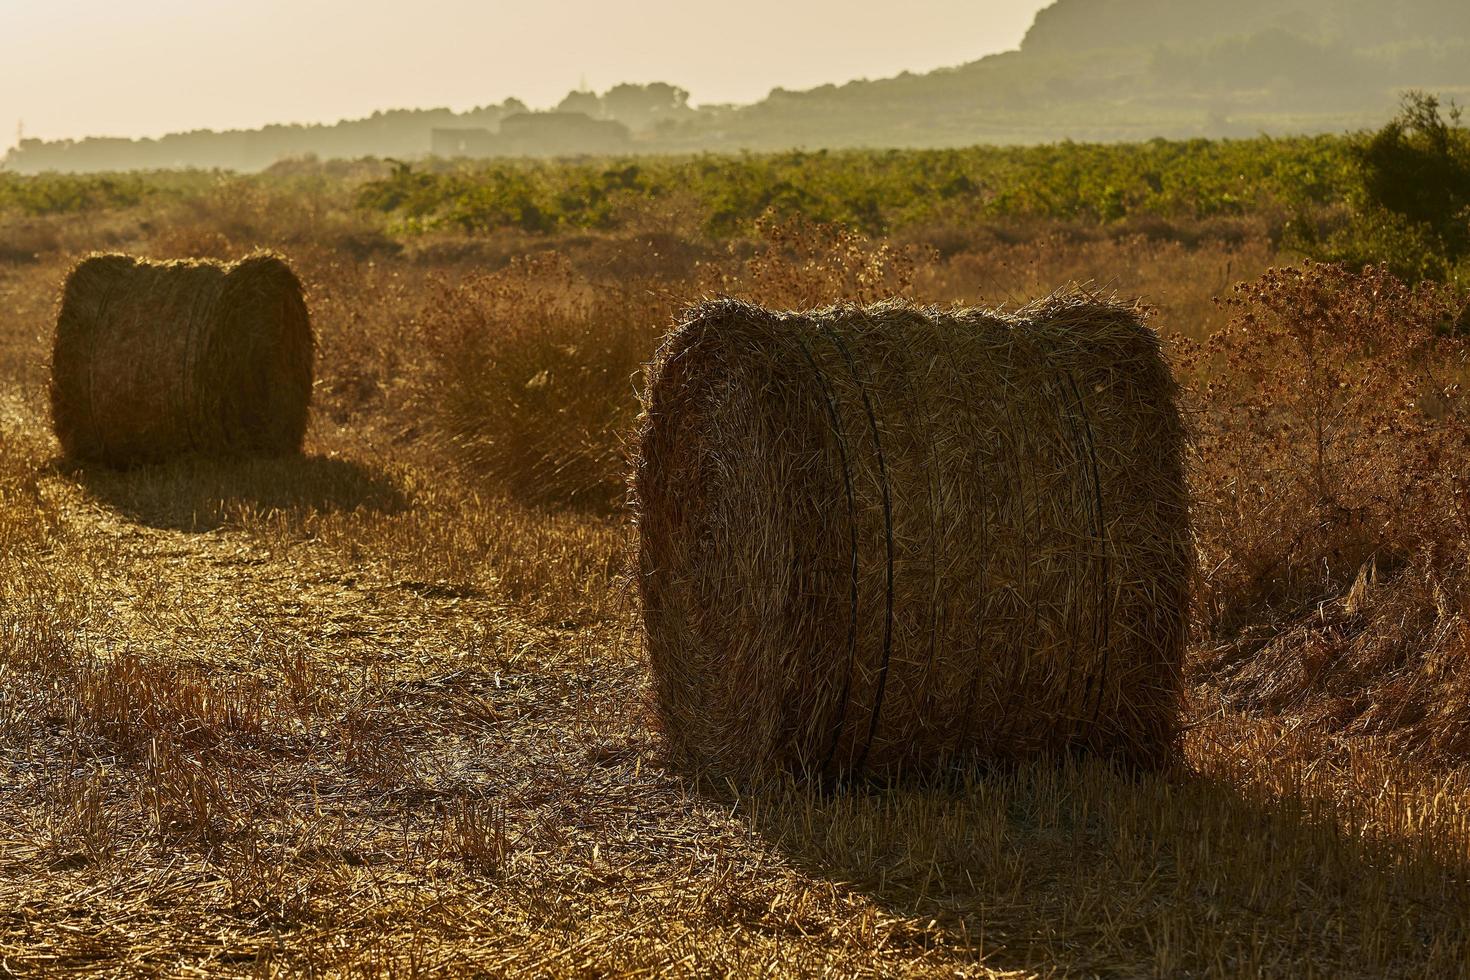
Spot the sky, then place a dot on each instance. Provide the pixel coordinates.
(72, 68)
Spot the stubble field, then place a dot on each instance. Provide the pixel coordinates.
(382, 709)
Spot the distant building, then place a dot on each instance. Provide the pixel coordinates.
(534, 134)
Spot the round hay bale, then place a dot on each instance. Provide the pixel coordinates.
(153, 360)
(893, 540)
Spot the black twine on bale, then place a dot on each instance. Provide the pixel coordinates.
(837, 433)
(1101, 623)
(863, 386)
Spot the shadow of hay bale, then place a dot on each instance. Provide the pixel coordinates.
(1079, 868)
(197, 494)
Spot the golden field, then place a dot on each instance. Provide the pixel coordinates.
(382, 709)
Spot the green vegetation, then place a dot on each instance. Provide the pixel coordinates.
(1418, 167)
(64, 194)
(1398, 196)
(1409, 206)
(879, 192)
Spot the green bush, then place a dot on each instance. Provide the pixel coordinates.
(71, 193)
(1410, 210)
(1418, 168)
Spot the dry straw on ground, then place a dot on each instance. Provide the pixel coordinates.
(890, 539)
(157, 359)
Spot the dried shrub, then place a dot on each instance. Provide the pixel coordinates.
(533, 377)
(25, 241)
(800, 264)
(153, 360)
(535, 366)
(1333, 504)
(886, 539)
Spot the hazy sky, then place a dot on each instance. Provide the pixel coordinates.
(146, 67)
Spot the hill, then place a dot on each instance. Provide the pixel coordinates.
(1136, 69)
(1077, 25)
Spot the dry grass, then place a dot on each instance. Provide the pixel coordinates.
(357, 714)
(535, 370)
(1335, 507)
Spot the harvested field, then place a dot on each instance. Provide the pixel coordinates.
(364, 711)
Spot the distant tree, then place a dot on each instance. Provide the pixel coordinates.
(640, 106)
(586, 103)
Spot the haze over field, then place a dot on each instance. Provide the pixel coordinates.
(78, 68)
(665, 77)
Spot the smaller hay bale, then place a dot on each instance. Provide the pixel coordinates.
(889, 541)
(153, 360)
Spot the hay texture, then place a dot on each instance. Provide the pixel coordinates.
(890, 540)
(153, 360)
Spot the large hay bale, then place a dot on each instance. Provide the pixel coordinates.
(889, 540)
(153, 360)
